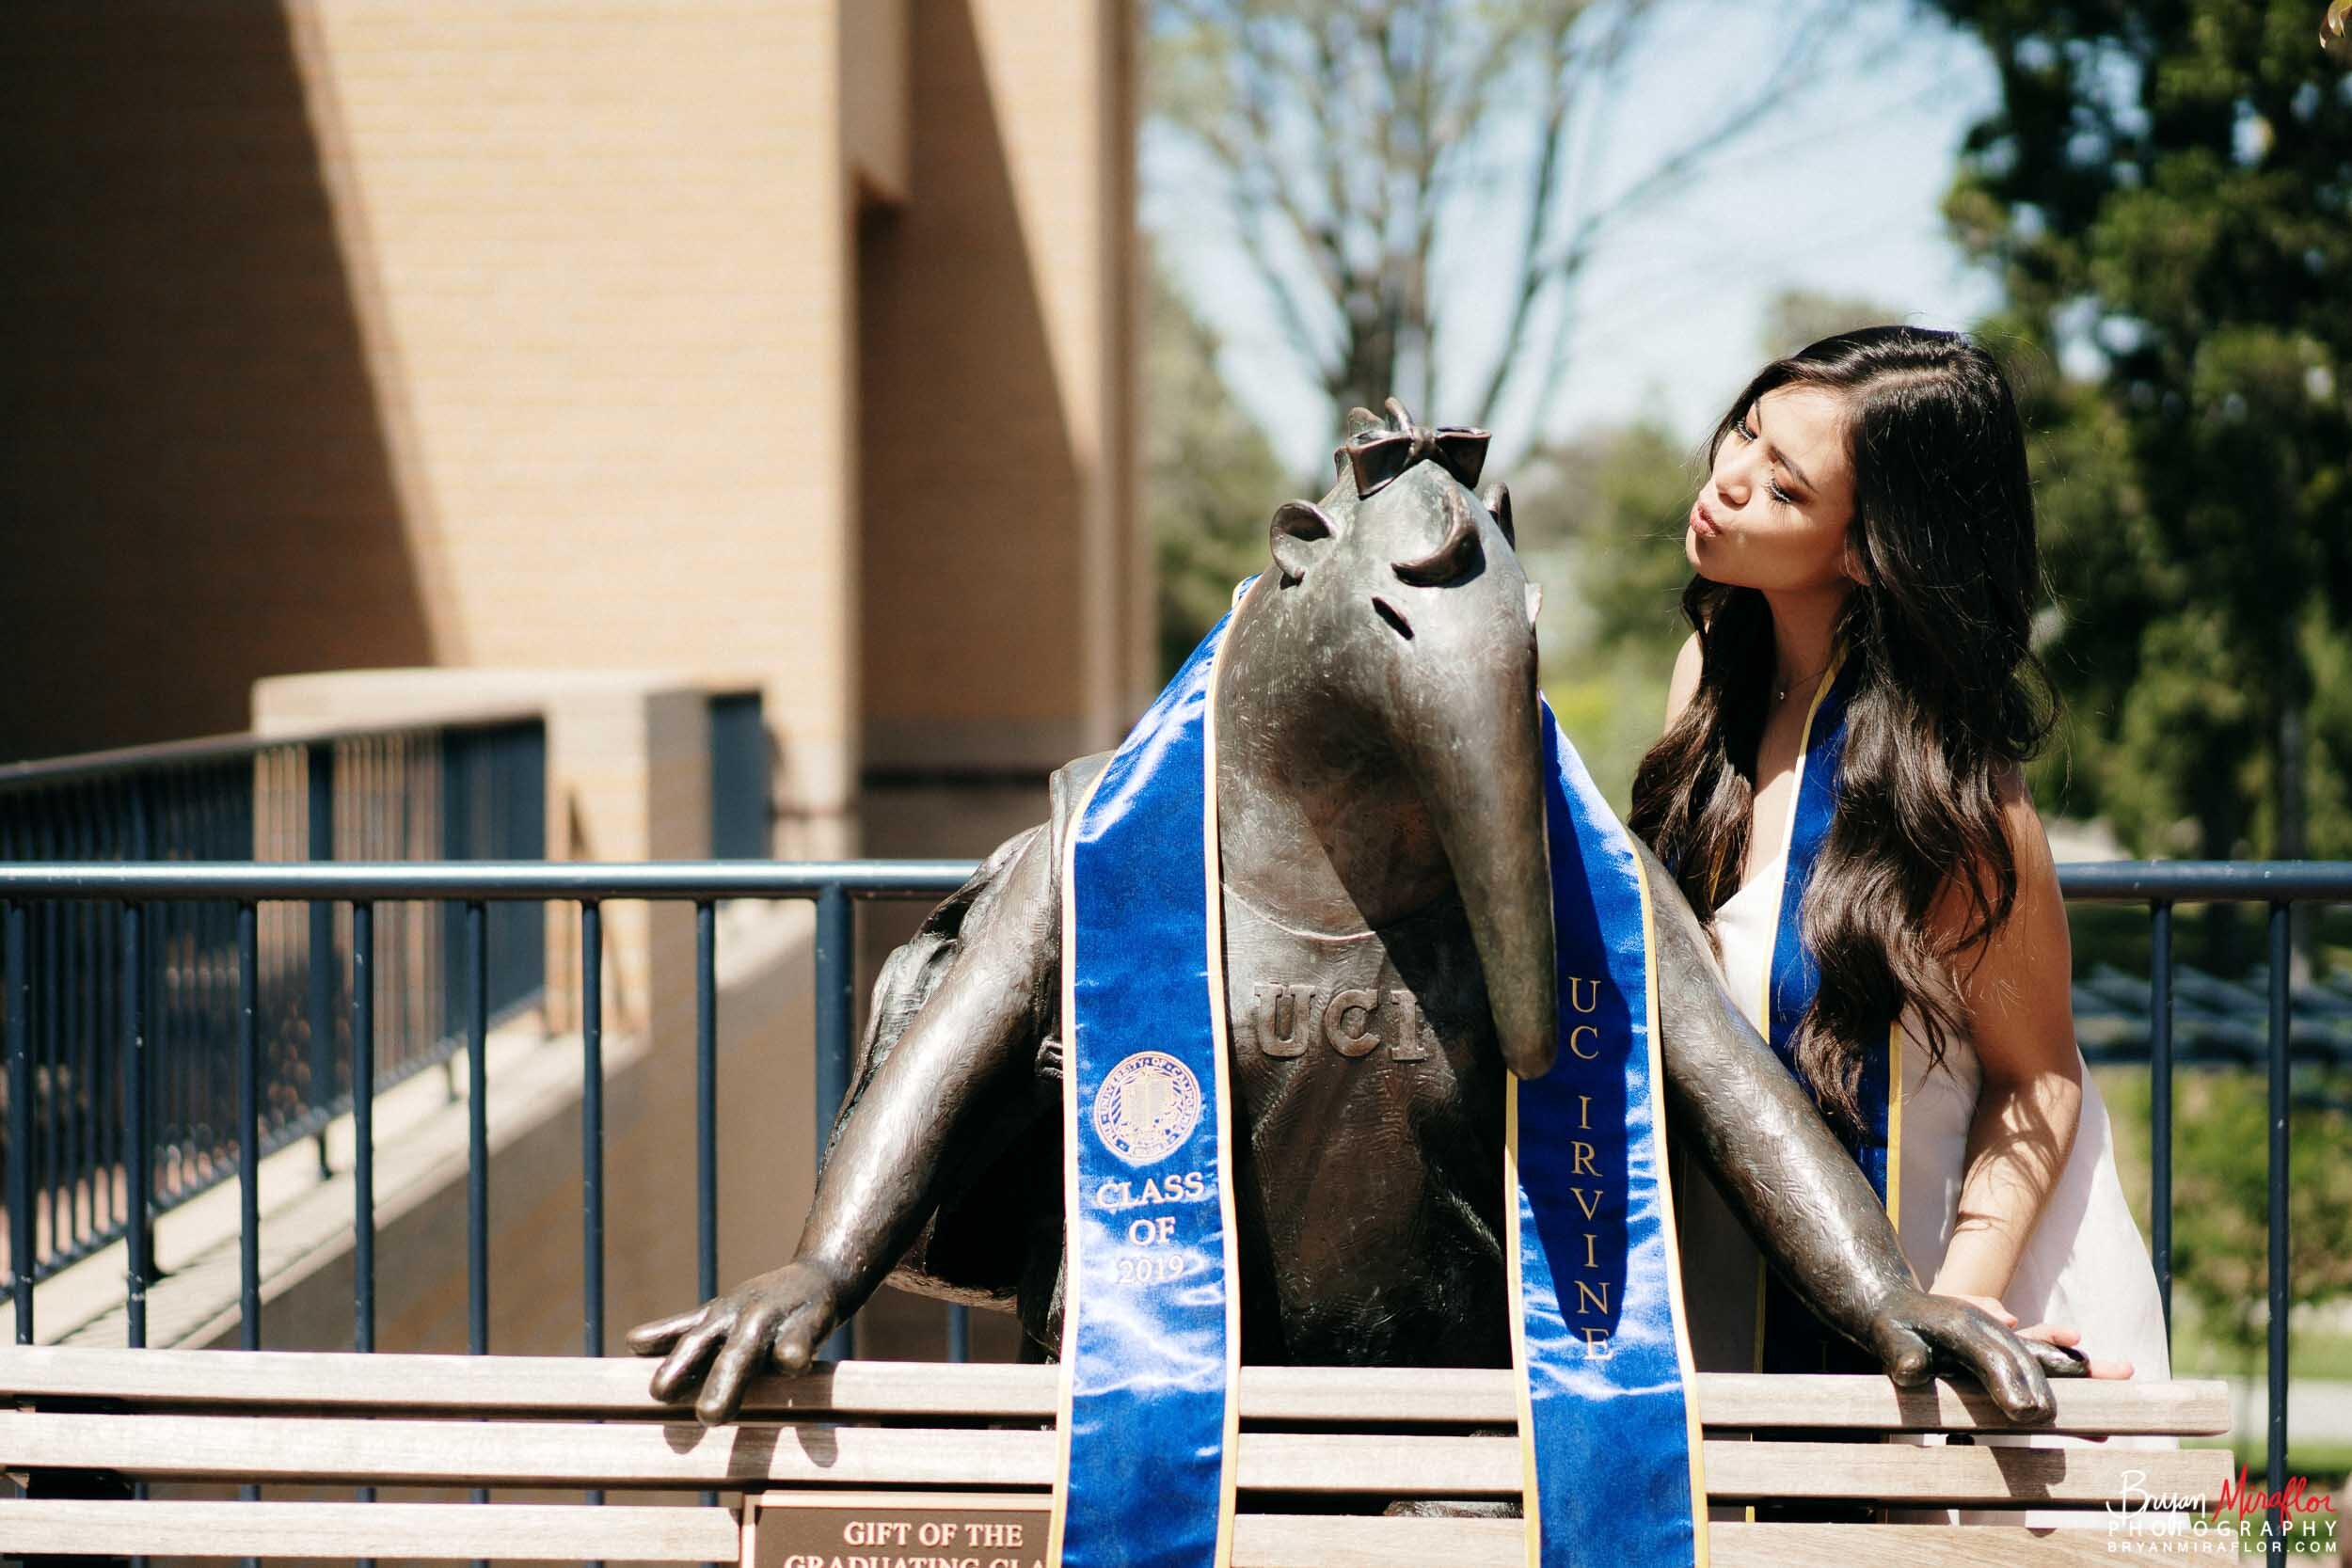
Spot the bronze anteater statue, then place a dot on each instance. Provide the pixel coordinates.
(1388, 958)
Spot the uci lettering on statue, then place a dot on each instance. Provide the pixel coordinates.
(1387, 876)
(1286, 1017)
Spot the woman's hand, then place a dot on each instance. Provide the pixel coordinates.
(2060, 1335)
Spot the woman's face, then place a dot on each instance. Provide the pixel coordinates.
(1773, 513)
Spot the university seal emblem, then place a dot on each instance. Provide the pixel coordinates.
(1147, 1107)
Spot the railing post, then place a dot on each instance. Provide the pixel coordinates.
(477, 1129)
(2160, 1104)
(248, 1129)
(139, 1020)
(591, 1124)
(363, 1135)
(836, 1006)
(24, 1262)
(319, 772)
(478, 1139)
(248, 1148)
(592, 1128)
(707, 1109)
(137, 1139)
(2282, 958)
(705, 1099)
(363, 1124)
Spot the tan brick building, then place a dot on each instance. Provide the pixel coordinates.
(778, 339)
(659, 343)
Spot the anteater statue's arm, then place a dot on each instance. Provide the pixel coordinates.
(930, 1099)
(1804, 1199)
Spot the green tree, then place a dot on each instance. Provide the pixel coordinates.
(2166, 193)
(1603, 514)
(1599, 521)
(1213, 478)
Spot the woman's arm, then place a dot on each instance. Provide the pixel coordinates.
(2017, 989)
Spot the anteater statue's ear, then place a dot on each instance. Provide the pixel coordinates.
(1298, 531)
(1358, 422)
(1497, 499)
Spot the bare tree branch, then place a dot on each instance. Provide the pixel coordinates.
(1346, 133)
(1678, 170)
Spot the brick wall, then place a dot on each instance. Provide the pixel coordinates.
(422, 332)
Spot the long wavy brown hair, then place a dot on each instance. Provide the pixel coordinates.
(1947, 696)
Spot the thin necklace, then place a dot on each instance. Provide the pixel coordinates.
(1787, 687)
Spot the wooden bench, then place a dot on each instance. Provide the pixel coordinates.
(298, 1419)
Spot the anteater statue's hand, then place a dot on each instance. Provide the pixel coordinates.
(775, 1319)
(1918, 1335)
(968, 1053)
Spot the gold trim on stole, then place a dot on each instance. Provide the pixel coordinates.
(1066, 1385)
(1213, 879)
(1893, 1030)
(1772, 949)
(1065, 1381)
(1530, 1498)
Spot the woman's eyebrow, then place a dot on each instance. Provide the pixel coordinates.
(1782, 458)
(1774, 452)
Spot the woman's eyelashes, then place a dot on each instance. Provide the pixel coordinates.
(1771, 486)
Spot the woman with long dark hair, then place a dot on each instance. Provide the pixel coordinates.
(1839, 792)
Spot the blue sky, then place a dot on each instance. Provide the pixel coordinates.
(1837, 191)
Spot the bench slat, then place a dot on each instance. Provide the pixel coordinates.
(495, 1385)
(2185, 1408)
(537, 1454)
(498, 1532)
(1888, 1472)
(512, 1532)
(1281, 1541)
(538, 1385)
(1979, 1475)
(625, 1454)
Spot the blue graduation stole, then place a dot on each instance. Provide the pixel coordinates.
(1789, 1339)
(1152, 1325)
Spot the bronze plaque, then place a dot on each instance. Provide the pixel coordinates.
(894, 1531)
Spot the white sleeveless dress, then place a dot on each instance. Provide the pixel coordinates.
(2085, 1264)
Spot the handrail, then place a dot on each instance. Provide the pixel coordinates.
(2103, 882)
(341, 881)
(2207, 881)
(227, 748)
(833, 886)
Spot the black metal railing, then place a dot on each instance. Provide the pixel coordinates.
(2280, 885)
(442, 792)
(119, 893)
